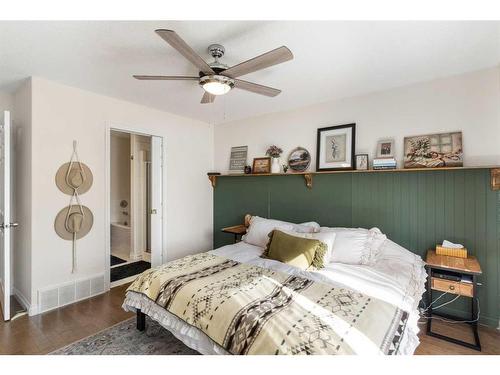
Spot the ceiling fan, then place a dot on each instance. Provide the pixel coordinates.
(217, 78)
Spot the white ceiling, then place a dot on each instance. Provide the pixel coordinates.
(333, 59)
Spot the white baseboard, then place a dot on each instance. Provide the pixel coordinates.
(135, 257)
(24, 301)
(123, 281)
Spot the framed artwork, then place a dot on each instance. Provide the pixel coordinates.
(385, 148)
(238, 159)
(299, 159)
(433, 150)
(335, 147)
(362, 162)
(261, 165)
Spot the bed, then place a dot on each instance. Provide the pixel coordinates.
(339, 309)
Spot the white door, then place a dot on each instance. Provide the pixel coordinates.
(156, 200)
(5, 224)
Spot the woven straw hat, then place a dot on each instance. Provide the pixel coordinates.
(76, 178)
(82, 224)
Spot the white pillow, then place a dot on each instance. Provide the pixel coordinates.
(309, 227)
(259, 229)
(328, 238)
(356, 245)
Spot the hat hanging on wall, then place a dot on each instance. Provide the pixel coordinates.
(74, 221)
(77, 221)
(77, 174)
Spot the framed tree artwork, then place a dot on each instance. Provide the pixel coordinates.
(335, 148)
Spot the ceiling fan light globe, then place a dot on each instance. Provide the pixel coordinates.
(216, 84)
(216, 88)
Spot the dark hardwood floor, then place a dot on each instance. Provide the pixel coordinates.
(44, 333)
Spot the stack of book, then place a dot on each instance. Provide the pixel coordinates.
(384, 163)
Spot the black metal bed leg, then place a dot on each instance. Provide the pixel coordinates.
(141, 320)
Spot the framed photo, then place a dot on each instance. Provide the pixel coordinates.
(335, 147)
(261, 165)
(362, 162)
(299, 159)
(434, 150)
(385, 148)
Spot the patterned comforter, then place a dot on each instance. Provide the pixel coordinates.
(252, 310)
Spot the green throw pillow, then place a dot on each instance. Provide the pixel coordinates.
(295, 251)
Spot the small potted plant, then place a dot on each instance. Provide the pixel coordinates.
(275, 152)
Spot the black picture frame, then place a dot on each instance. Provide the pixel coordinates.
(353, 145)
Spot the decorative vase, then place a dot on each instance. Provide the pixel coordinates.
(275, 165)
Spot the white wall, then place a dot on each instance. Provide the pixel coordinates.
(6, 101)
(21, 175)
(62, 114)
(467, 102)
(119, 176)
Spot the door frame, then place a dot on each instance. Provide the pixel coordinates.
(6, 284)
(107, 191)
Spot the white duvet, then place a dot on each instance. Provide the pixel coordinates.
(398, 277)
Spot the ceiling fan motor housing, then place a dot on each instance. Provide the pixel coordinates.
(216, 50)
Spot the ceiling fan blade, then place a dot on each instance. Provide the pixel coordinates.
(256, 88)
(207, 98)
(166, 78)
(276, 56)
(183, 48)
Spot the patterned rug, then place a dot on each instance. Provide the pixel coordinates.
(124, 338)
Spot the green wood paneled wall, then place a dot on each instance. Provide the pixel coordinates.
(415, 209)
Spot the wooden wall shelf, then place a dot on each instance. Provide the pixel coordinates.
(308, 176)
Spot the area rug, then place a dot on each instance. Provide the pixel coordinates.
(130, 269)
(124, 339)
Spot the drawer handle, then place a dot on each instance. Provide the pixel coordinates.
(452, 287)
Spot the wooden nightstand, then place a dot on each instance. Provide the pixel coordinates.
(237, 230)
(465, 269)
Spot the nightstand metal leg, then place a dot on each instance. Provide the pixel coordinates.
(429, 301)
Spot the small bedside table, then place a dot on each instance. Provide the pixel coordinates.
(461, 267)
(237, 230)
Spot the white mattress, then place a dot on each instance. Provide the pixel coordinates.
(398, 278)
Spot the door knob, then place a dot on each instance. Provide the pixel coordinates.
(7, 226)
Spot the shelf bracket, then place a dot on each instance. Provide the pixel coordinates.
(495, 178)
(309, 180)
(213, 180)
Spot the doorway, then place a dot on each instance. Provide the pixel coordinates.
(135, 195)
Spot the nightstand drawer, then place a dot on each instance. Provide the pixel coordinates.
(453, 287)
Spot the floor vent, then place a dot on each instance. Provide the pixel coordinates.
(53, 297)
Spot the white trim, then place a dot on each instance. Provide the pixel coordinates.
(5, 280)
(107, 191)
(23, 300)
(122, 281)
